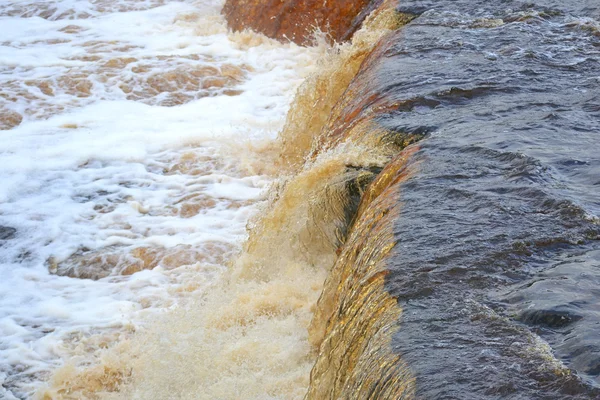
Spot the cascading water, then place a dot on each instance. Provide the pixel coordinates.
(131, 163)
(424, 225)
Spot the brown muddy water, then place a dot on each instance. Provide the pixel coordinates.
(424, 225)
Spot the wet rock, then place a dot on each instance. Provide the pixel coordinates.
(296, 20)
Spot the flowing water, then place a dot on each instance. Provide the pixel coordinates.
(130, 165)
(424, 226)
(496, 263)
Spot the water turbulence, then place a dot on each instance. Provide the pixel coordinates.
(245, 334)
(430, 228)
(356, 317)
(492, 250)
(127, 182)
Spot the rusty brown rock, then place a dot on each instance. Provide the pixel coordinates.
(296, 20)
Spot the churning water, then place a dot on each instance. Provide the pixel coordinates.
(129, 146)
(424, 226)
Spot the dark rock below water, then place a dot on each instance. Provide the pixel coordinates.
(7, 233)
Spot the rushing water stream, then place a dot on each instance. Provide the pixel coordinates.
(131, 152)
(425, 226)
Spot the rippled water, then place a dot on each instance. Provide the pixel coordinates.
(136, 149)
(128, 131)
(497, 259)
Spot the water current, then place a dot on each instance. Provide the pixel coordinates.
(129, 167)
(497, 261)
(424, 226)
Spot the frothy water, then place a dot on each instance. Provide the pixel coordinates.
(128, 174)
(157, 242)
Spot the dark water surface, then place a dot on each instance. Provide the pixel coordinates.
(497, 265)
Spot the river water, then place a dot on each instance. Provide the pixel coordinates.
(497, 261)
(129, 145)
(139, 145)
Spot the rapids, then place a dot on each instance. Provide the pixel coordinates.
(192, 213)
(130, 165)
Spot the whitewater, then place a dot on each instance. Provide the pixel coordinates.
(131, 160)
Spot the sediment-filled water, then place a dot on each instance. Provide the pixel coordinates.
(422, 222)
(129, 166)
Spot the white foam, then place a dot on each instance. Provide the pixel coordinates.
(90, 170)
